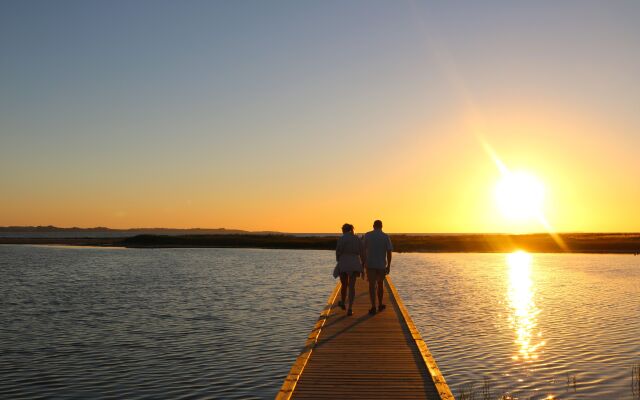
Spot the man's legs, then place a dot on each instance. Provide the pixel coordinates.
(376, 278)
(372, 291)
(380, 293)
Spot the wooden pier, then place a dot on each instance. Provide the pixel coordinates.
(364, 356)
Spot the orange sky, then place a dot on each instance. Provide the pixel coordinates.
(422, 185)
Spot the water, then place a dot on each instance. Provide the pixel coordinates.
(164, 323)
(528, 324)
(228, 323)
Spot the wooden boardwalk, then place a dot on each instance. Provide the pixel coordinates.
(365, 356)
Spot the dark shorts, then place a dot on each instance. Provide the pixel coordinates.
(375, 274)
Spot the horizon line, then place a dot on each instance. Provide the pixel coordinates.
(26, 227)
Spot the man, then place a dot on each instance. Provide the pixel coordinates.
(378, 250)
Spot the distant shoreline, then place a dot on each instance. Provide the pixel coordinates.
(612, 243)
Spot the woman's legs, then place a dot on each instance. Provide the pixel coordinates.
(352, 288)
(344, 281)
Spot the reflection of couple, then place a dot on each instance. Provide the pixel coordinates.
(354, 256)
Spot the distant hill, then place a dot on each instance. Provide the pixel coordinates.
(100, 231)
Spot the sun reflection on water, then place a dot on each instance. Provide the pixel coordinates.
(523, 318)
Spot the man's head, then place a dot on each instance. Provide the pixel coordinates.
(377, 224)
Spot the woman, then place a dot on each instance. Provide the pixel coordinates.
(349, 257)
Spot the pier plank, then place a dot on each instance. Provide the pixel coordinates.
(365, 356)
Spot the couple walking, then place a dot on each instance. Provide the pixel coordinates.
(371, 254)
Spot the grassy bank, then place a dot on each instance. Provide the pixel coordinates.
(482, 243)
(472, 243)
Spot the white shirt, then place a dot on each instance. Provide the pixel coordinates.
(348, 252)
(376, 244)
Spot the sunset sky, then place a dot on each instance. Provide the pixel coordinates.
(300, 116)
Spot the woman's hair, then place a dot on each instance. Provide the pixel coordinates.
(347, 228)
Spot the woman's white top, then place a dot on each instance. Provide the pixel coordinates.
(348, 253)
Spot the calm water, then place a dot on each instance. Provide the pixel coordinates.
(227, 323)
(528, 323)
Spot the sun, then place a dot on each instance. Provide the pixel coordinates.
(520, 196)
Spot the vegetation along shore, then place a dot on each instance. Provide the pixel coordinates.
(450, 243)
